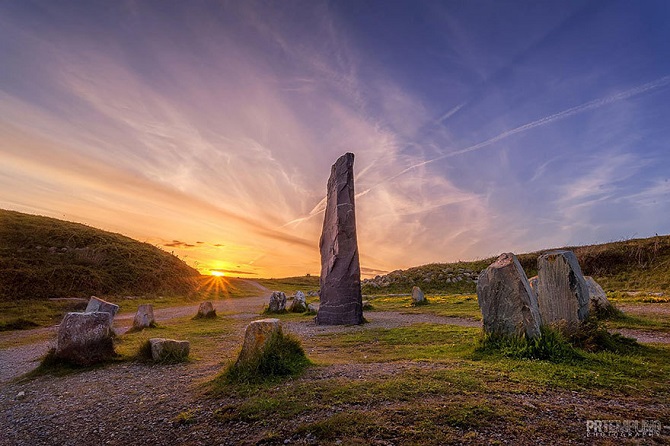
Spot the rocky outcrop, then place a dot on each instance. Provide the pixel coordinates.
(508, 304)
(341, 299)
(256, 336)
(206, 311)
(562, 293)
(417, 296)
(277, 302)
(144, 318)
(299, 304)
(85, 338)
(169, 350)
(598, 302)
(97, 304)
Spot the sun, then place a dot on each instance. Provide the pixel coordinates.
(217, 273)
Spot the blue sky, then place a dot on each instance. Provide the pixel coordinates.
(209, 128)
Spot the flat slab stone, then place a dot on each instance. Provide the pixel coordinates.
(508, 304)
(256, 335)
(562, 293)
(341, 299)
(85, 338)
(169, 349)
(97, 304)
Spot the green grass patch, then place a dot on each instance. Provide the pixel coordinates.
(458, 305)
(550, 346)
(17, 324)
(282, 356)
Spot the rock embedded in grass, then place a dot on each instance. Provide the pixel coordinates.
(562, 293)
(417, 296)
(144, 318)
(299, 304)
(85, 338)
(206, 311)
(277, 302)
(341, 299)
(97, 304)
(256, 335)
(508, 304)
(597, 297)
(169, 349)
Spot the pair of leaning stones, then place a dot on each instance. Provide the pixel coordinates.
(558, 296)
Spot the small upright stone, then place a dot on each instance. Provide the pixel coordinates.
(97, 304)
(598, 302)
(417, 296)
(341, 299)
(144, 318)
(509, 306)
(299, 304)
(85, 338)
(206, 311)
(562, 294)
(277, 302)
(313, 308)
(256, 335)
(169, 349)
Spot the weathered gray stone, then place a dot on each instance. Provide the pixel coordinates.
(206, 311)
(597, 297)
(97, 304)
(341, 299)
(299, 304)
(562, 294)
(144, 318)
(417, 296)
(277, 302)
(313, 308)
(85, 338)
(508, 304)
(256, 336)
(169, 349)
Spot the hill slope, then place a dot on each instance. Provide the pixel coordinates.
(636, 264)
(43, 257)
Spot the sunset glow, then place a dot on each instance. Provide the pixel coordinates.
(209, 128)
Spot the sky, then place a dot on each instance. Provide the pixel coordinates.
(208, 128)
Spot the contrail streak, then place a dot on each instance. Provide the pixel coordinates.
(591, 105)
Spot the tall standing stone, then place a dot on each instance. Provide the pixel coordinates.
(341, 300)
(562, 293)
(508, 304)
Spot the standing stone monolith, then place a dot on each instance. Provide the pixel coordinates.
(277, 302)
(85, 338)
(508, 304)
(417, 296)
(299, 304)
(341, 299)
(562, 293)
(598, 302)
(144, 318)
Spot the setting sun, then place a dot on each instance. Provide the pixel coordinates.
(217, 273)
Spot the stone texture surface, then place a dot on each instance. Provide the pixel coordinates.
(313, 308)
(597, 296)
(256, 335)
(508, 304)
(299, 304)
(562, 293)
(533, 283)
(206, 310)
(144, 317)
(85, 338)
(417, 296)
(97, 304)
(169, 349)
(341, 300)
(277, 302)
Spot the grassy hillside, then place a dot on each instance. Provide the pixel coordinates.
(636, 264)
(43, 257)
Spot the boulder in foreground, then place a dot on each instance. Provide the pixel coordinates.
(256, 336)
(508, 304)
(85, 338)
